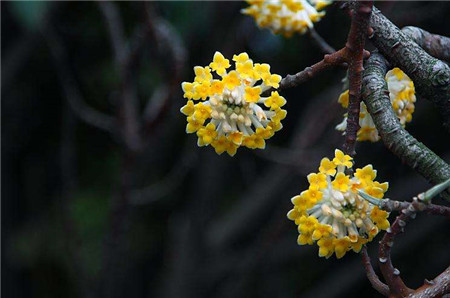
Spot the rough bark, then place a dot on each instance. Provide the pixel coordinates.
(395, 137)
(436, 45)
(431, 76)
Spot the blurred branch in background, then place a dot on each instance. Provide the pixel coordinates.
(70, 86)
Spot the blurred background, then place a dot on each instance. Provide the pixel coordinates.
(90, 208)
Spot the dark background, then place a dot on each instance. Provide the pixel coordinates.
(207, 225)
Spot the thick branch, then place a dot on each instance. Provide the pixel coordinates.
(436, 45)
(430, 75)
(435, 288)
(394, 136)
(355, 45)
(375, 281)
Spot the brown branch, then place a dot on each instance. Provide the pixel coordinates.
(408, 211)
(355, 45)
(391, 275)
(331, 60)
(436, 45)
(375, 281)
(435, 288)
(414, 206)
(320, 42)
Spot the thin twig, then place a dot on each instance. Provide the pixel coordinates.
(355, 45)
(375, 281)
(414, 206)
(397, 287)
(331, 60)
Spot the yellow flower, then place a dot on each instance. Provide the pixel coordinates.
(188, 89)
(343, 99)
(219, 64)
(232, 113)
(241, 58)
(333, 214)
(252, 94)
(272, 80)
(202, 111)
(286, 16)
(326, 247)
(319, 179)
(275, 101)
(236, 137)
(201, 91)
(261, 70)
(207, 134)
(379, 217)
(245, 69)
(193, 124)
(231, 80)
(341, 159)
(341, 182)
(202, 74)
(321, 231)
(188, 109)
(341, 246)
(327, 167)
(366, 174)
(307, 224)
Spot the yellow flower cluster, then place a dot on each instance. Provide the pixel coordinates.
(231, 112)
(402, 96)
(332, 214)
(286, 16)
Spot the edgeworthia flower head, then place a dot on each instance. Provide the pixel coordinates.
(286, 16)
(332, 214)
(231, 112)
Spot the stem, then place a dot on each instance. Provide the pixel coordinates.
(391, 275)
(355, 45)
(335, 59)
(375, 281)
(415, 206)
(395, 137)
